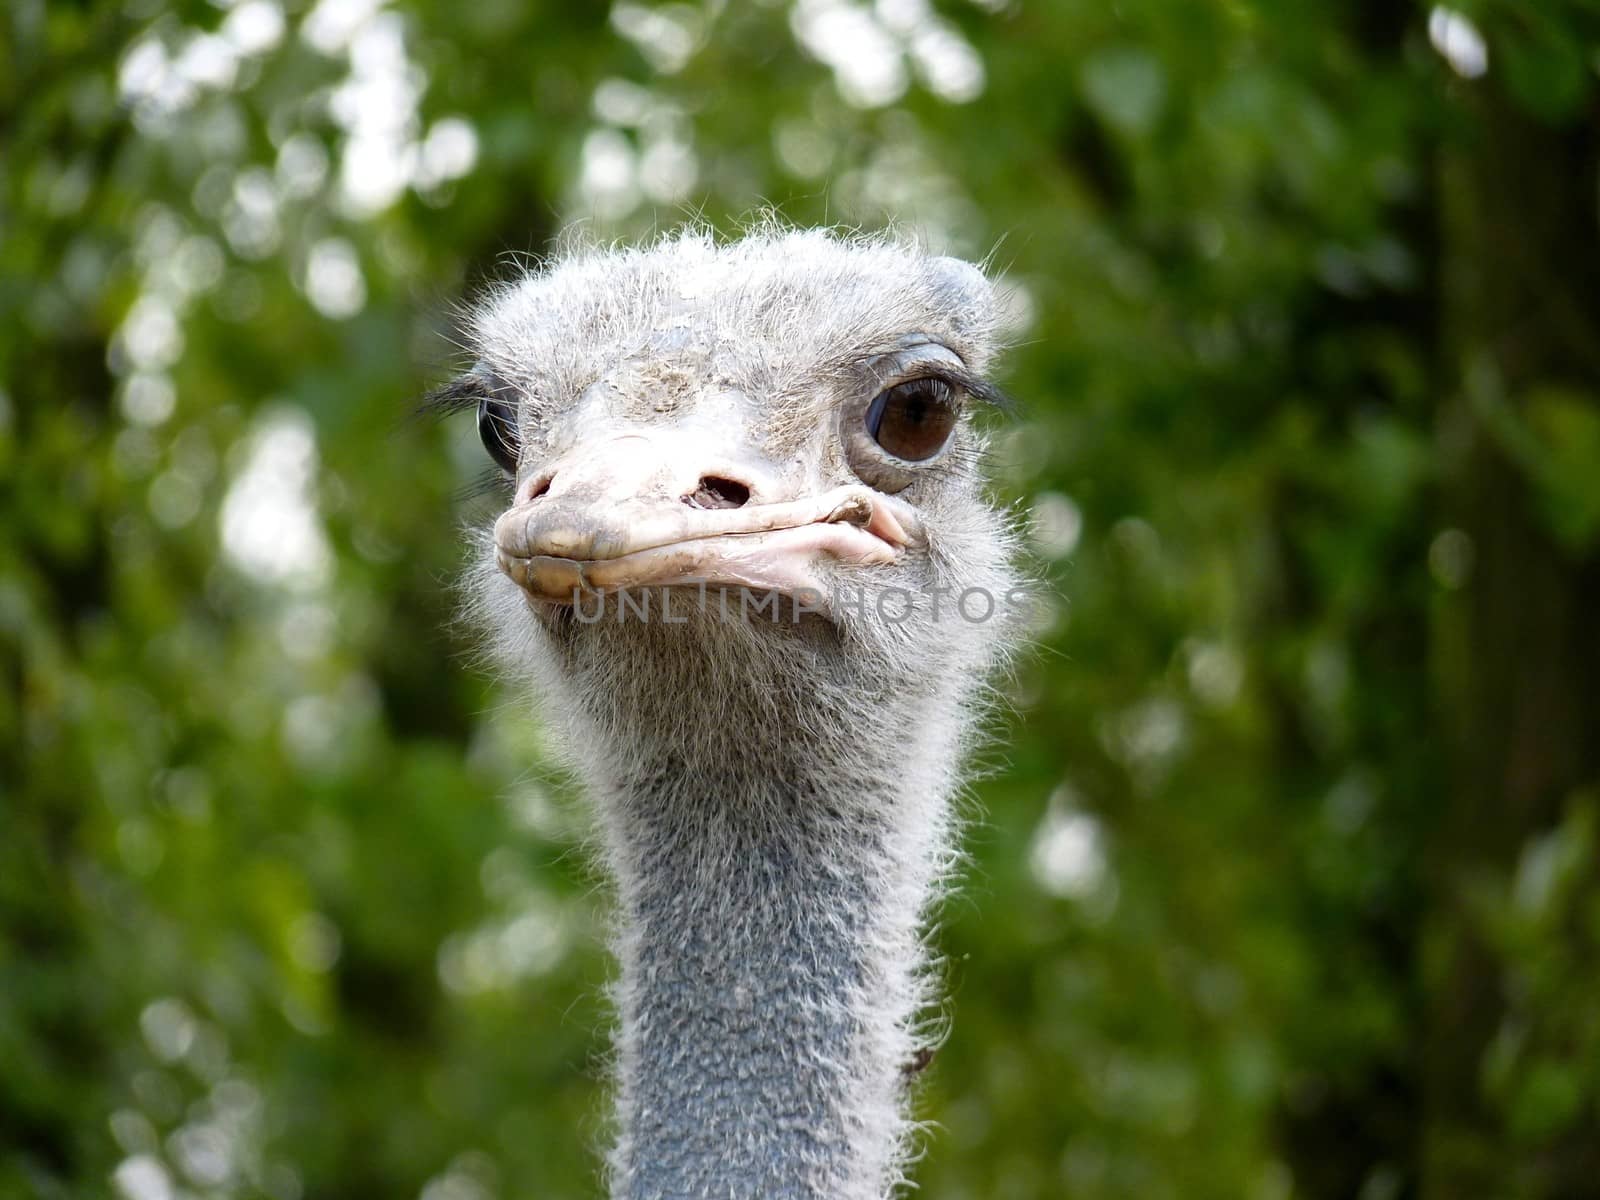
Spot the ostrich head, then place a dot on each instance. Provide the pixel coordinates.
(785, 421)
(749, 567)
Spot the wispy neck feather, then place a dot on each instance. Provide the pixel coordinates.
(772, 878)
(775, 811)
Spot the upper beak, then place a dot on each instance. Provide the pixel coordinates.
(620, 514)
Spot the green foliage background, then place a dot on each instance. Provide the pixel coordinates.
(1284, 883)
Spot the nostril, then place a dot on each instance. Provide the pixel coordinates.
(539, 488)
(717, 492)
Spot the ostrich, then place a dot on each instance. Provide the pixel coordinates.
(749, 570)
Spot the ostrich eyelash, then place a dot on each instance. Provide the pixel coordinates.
(963, 382)
(978, 388)
(461, 393)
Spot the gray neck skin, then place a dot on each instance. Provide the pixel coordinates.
(769, 972)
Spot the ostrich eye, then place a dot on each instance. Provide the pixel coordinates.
(913, 420)
(497, 427)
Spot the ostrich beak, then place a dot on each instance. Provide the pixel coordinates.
(625, 516)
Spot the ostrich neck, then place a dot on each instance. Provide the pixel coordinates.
(770, 956)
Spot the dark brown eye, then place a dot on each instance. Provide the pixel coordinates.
(497, 427)
(913, 420)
